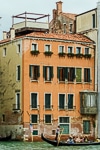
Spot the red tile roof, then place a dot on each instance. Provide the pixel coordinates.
(67, 37)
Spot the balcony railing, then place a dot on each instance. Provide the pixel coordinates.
(89, 110)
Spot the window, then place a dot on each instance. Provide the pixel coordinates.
(71, 74)
(70, 27)
(18, 48)
(34, 100)
(90, 100)
(34, 72)
(17, 106)
(86, 75)
(3, 118)
(86, 50)
(70, 49)
(47, 101)
(70, 101)
(64, 27)
(64, 73)
(48, 119)
(86, 126)
(61, 73)
(47, 73)
(35, 132)
(47, 48)
(78, 75)
(18, 73)
(65, 124)
(61, 49)
(4, 52)
(93, 21)
(78, 50)
(34, 119)
(34, 47)
(61, 101)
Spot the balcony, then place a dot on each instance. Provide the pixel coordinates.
(34, 52)
(79, 55)
(87, 55)
(16, 108)
(61, 54)
(89, 110)
(70, 54)
(48, 53)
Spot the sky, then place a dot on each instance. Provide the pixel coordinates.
(8, 8)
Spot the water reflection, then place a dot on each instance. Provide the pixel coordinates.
(40, 146)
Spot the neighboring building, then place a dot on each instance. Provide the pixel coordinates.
(88, 24)
(62, 22)
(47, 79)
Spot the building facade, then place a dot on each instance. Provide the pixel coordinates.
(48, 79)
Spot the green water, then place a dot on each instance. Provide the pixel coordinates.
(40, 146)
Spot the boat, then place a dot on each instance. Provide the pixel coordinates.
(63, 143)
(6, 138)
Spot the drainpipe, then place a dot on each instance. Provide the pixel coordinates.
(98, 66)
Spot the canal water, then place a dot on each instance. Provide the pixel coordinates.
(40, 146)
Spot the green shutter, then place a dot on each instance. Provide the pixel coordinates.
(86, 127)
(61, 101)
(44, 71)
(70, 101)
(34, 100)
(66, 73)
(18, 72)
(38, 71)
(51, 72)
(47, 100)
(78, 74)
(88, 75)
(30, 68)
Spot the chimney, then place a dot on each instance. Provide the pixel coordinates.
(4, 35)
(54, 13)
(59, 7)
(12, 33)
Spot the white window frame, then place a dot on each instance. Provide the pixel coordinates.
(37, 119)
(51, 118)
(73, 100)
(65, 103)
(62, 51)
(47, 48)
(50, 102)
(80, 50)
(33, 49)
(37, 100)
(17, 93)
(72, 49)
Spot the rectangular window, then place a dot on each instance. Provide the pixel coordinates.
(70, 27)
(64, 123)
(64, 28)
(86, 50)
(34, 119)
(17, 101)
(3, 118)
(35, 132)
(18, 48)
(86, 75)
(34, 72)
(78, 75)
(86, 126)
(71, 74)
(70, 50)
(78, 50)
(47, 101)
(70, 101)
(61, 101)
(48, 73)
(93, 21)
(34, 47)
(90, 100)
(61, 49)
(61, 73)
(34, 100)
(18, 73)
(4, 52)
(47, 48)
(48, 119)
